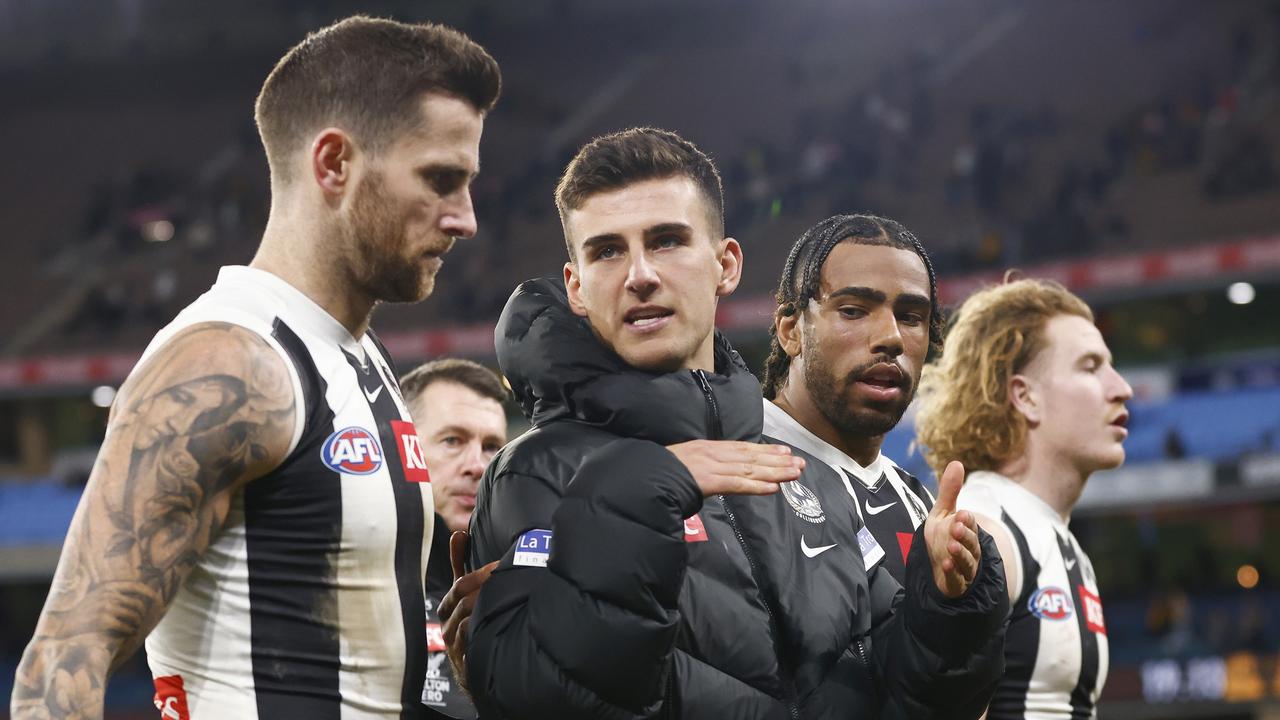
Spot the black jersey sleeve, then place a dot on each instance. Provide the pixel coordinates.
(939, 657)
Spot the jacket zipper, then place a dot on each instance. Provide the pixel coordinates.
(866, 662)
(671, 691)
(773, 621)
(716, 431)
(714, 426)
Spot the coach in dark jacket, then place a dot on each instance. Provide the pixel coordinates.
(620, 592)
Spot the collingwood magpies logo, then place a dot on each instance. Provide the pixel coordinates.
(803, 501)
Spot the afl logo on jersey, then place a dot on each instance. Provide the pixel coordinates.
(1050, 603)
(352, 450)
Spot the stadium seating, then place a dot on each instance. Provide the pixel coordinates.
(35, 512)
(890, 131)
(1214, 425)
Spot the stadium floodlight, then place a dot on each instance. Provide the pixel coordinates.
(157, 231)
(102, 396)
(1241, 293)
(1247, 576)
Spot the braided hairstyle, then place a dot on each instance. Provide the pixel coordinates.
(803, 271)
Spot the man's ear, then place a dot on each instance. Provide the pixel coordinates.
(730, 267)
(1025, 398)
(787, 327)
(331, 162)
(573, 285)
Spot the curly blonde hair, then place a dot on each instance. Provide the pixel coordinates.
(964, 411)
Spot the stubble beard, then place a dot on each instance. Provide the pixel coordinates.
(834, 399)
(376, 232)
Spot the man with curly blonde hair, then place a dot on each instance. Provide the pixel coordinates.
(1025, 396)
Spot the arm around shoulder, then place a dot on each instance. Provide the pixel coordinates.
(210, 410)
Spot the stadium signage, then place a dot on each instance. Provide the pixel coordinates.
(1240, 677)
(1260, 470)
(1255, 255)
(1171, 481)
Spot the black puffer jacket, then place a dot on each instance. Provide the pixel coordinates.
(756, 607)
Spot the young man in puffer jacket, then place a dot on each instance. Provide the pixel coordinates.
(651, 565)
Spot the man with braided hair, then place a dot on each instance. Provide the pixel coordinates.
(653, 560)
(857, 313)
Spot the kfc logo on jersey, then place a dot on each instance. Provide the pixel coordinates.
(1092, 605)
(171, 698)
(1050, 603)
(694, 530)
(435, 638)
(352, 450)
(410, 447)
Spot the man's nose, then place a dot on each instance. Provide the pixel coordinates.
(642, 276)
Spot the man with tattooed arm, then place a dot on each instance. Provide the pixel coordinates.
(260, 507)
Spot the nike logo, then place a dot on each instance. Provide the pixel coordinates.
(811, 551)
(1071, 564)
(876, 510)
(372, 396)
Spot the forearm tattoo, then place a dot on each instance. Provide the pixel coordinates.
(214, 408)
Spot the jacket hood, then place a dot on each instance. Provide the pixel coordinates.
(559, 370)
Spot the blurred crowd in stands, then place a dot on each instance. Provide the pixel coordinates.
(1182, 626)
(145, 228)
(1195, 123)
(151, 237)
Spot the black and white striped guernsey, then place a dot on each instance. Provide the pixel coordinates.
(309, 602)
(1056, 653)
(891, 501)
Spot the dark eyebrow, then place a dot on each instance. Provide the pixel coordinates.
(454, 429)
(597, 240)
(659, 229)
(444, 167)
(667, 228)
(862, 293)
(878, 296)
(912, 299)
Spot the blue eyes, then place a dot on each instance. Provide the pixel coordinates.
(664, 242)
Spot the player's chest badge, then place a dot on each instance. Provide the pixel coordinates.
(803, 501)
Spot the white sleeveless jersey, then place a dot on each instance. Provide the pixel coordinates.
(1056, 653)
(309, 602)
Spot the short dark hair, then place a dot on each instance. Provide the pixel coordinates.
(803, 273)
(367, 75)
(471, 375)
(614, 161)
